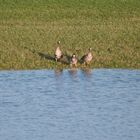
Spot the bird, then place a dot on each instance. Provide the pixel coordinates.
(58, 53)
(87, 58)
(73, 60)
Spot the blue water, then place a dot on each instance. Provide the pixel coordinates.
(98, 104)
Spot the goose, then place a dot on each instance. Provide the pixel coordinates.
(87, 58)
(58, 52)
(73, 61)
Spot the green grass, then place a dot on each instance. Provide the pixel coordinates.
(110, 27)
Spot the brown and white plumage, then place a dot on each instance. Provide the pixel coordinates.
(73, 60)
(58, 52)
(87, 58)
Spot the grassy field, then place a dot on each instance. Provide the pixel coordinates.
(29, 28)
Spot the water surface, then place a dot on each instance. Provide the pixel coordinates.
(99, 104)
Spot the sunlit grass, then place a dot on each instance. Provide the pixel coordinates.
(111, 28)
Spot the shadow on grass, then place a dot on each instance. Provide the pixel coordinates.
(45, 56)
(64, 60)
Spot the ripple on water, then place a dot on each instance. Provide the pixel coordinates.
(70, 104)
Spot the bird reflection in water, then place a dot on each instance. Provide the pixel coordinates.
(58, 72)
(73, 72)
(87, 72)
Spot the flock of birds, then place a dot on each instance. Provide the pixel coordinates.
(86, 58)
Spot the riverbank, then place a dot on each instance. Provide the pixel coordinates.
(29, 30)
